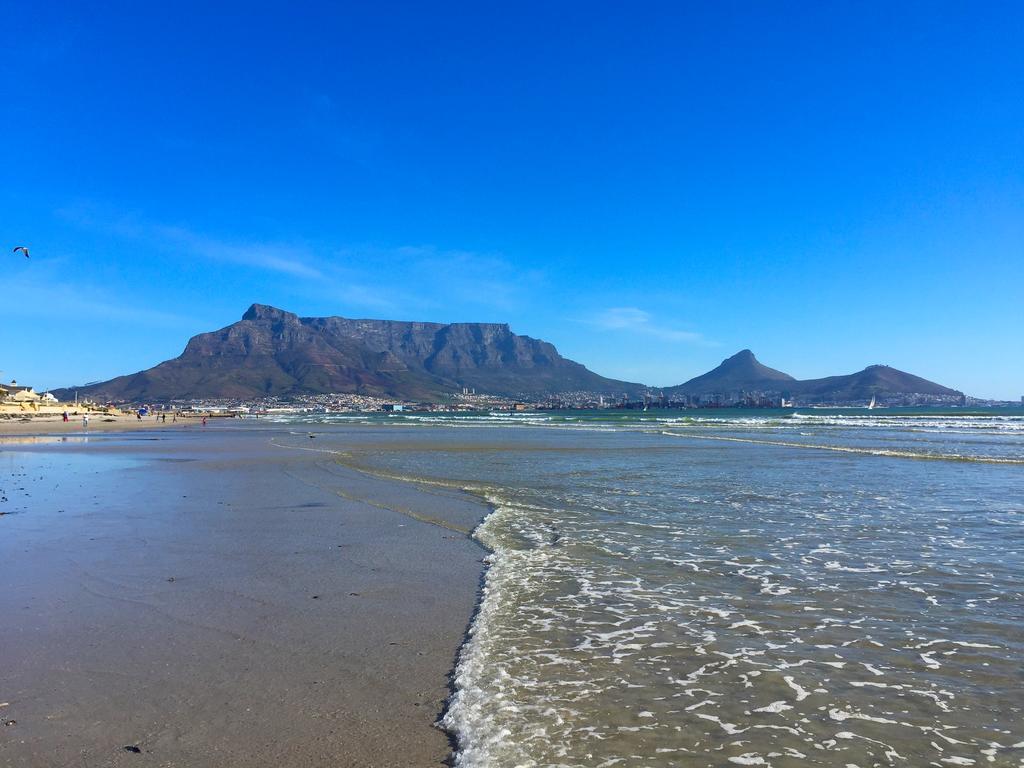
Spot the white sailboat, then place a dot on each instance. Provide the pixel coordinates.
(872, 403)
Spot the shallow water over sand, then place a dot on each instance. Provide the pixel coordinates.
(206, 599)
(835, 590)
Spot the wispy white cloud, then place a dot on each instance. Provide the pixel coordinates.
(287, 259)
(275, 257)
(636, 320)
(394, 279)
(48, 293)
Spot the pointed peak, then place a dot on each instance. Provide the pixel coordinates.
(265, 312)
(743, 354)
(744, 358)
(741, 371)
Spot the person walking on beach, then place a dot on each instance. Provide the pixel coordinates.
(204, 421)
(85, 421)
(65, 417)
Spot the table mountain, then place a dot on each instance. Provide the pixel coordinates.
(272, 352)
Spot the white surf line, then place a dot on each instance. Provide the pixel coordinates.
(845, 449)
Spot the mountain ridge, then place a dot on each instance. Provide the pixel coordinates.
(743, 372)
(270, 352)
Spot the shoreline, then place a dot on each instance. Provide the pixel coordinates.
(263, 577)
(47, 425)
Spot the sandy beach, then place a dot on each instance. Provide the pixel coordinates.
(223, 596)
(53, 424)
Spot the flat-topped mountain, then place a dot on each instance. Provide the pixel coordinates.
(744, 373)
(270, 352)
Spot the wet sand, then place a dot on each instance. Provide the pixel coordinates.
(52, 424)
(209, 598)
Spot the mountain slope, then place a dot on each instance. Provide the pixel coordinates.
(875, 380)
(742, 371)
(270, 352)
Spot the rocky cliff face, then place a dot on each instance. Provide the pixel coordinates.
(273, 352)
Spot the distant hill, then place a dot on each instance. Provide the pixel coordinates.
(270, 352)
(742, 372)
(875, 380)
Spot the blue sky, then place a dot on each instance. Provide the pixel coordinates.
(651, 187)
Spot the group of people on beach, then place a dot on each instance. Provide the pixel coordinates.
(161, 417)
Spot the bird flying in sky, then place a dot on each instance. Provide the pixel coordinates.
(23, 249)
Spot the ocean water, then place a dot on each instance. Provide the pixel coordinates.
(820, 588)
